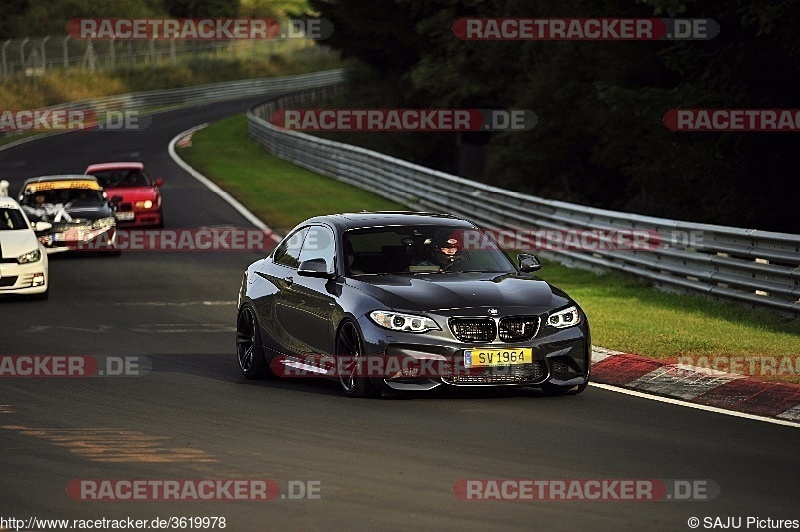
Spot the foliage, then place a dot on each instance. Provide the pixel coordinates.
(600, 139)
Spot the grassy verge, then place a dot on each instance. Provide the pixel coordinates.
(278, 192)
(626, 314)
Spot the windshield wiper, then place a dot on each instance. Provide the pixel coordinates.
(472, 271)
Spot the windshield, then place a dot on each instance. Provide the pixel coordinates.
(63, 196)
(422, 250)
(122, 177)
(11, 219)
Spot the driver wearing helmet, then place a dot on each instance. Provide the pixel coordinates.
(447, 252)
(443, 253)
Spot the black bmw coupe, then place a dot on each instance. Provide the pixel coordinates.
(387, 302)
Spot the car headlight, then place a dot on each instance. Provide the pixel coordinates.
(564, 318)
(31, 256)
(146, 204)
(103, 223)
(403, 322)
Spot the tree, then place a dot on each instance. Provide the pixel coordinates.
(49, 17)
(11, 13)
(380, 33)
(202, 8)
(600, 139)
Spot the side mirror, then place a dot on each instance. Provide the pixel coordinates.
(314, 268)
(528, 263)
(159, 182)
(42, 226)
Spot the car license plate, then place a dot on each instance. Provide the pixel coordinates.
(125, 215)
(497, 357)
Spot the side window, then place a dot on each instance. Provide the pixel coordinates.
(288, 252)
(319, 244)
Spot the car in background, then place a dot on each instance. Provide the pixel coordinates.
(23, 260)
(390, 302)
(135, 193)
(80, 215)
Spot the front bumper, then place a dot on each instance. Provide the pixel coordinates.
(80, 239)
(560, 358)
(24, 279)
(140, 218)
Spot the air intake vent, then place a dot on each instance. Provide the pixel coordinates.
(518, 328)
(521, 374)
(473, 329)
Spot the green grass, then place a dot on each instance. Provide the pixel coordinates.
(628, 315)
(278, 192)
(625, 313)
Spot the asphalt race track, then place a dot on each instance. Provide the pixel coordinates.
(387, 464)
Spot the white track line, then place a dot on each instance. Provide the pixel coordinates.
(241, 209)
(707, 408)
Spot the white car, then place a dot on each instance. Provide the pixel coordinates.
(23, 259)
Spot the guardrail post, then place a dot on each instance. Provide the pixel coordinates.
(66, 52)
(5, 64)
(22, 53)
(44, 54)
(90, 57)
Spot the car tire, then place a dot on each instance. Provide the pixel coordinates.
(350, 344)
(249, 350)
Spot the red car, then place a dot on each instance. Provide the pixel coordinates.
(135, 193)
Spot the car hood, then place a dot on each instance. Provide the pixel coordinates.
(15, 243)
(459, 291)
(69, 212)
(132, 194)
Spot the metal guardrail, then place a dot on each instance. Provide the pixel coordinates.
(157, 99)
(759, 268)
